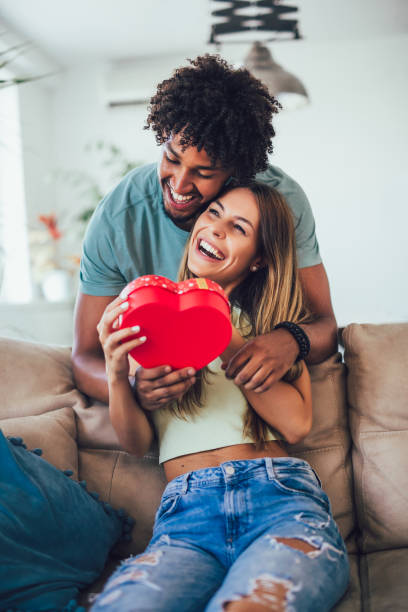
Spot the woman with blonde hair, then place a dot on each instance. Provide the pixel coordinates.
(241, 524)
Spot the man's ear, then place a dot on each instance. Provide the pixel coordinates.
(231, 181)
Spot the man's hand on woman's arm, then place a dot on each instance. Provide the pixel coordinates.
(265, 359)
(157, 387)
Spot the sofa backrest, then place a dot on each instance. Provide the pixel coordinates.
(327, 447)
(35, 378)
(377, 383)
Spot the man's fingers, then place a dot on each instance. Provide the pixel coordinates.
(267, 384)
(174, 378)
(236, 363)
(163, 375)
(252, 377)
(250, 369)
(152, 373)
(171, 393)
(156, 387)
(259, 378)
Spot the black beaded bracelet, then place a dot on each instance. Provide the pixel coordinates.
(299, 335)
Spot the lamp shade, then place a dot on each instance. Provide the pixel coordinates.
(260, 63)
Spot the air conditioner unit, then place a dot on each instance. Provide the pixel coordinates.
(127, 83)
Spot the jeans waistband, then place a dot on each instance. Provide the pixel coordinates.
(236, 471)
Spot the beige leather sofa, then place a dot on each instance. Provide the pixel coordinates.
(358, 445)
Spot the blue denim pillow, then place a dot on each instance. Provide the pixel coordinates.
(54, 536)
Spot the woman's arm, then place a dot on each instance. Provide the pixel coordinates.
(287, 407)
(131, 424)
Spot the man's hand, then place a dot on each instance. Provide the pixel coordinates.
(156, 387)
(263, 360)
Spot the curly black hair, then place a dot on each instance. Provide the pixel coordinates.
(225, 111)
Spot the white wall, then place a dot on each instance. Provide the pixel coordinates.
(347, 149)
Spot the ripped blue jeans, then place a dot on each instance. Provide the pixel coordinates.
(219, 537)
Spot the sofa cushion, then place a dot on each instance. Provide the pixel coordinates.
(327, 446)
(54, 432)
(127, 482)
(94, 427)
(36, 378)
(377, 361)
(384, 580)
(55, 536)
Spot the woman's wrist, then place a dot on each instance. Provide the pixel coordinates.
(119, 380)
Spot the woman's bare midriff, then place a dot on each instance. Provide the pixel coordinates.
(212, 458)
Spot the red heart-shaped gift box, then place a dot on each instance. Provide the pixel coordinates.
(186, 323)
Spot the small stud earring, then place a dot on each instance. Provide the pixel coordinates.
(254, 268)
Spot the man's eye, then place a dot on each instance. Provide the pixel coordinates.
(204, 176)
(172, 161)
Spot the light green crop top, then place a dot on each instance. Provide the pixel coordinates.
(217, 424)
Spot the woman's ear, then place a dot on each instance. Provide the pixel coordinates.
(257, 264)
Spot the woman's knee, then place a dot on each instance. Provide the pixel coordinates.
(267, 594)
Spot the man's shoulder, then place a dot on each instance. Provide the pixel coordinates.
(139, 187)
(286, 185)
(143, 177)
(278, 178)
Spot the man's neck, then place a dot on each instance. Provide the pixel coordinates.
(184, 225)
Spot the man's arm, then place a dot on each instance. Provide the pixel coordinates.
(322, 332)
(265, 359)
(87, 355)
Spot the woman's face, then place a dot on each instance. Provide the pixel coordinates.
(224, 240)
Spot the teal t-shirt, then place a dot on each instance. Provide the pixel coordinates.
(130, 235)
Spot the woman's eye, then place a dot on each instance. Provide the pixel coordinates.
(240, 229)
(213, 211)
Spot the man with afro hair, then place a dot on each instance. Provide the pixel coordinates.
(214, 124)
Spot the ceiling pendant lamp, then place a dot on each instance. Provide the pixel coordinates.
(282, 84)
(249, 17)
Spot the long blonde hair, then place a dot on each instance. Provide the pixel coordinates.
(266, 297)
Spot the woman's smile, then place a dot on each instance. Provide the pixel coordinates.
(208, 250)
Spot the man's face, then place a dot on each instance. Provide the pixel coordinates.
(188, 180)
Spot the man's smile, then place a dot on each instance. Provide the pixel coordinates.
(178, 200)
